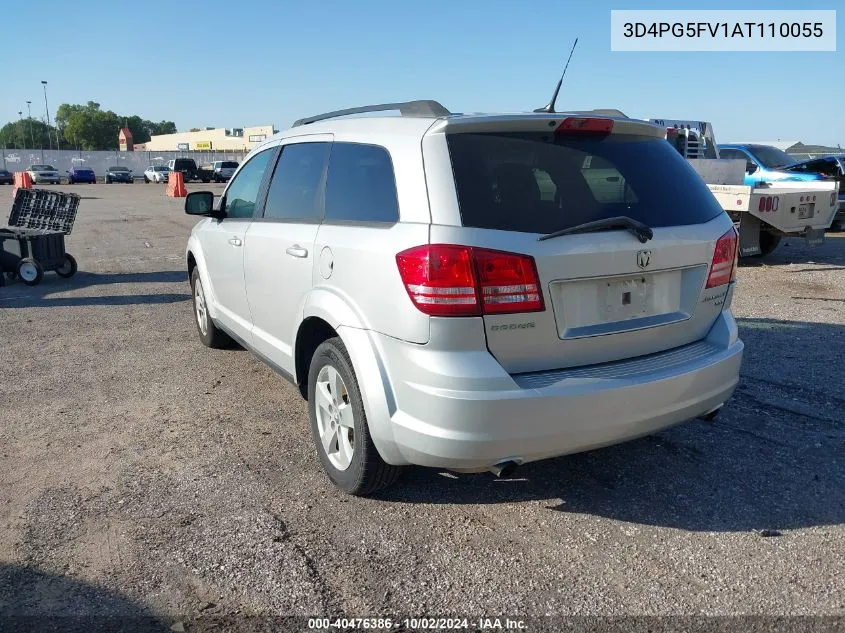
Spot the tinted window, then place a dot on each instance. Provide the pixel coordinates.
(360, 184)
(539, 183)
(294, 190)
(732, 153)
(772, 157)
(228, 165)
(243, 190)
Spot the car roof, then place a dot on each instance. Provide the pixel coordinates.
(418, 126)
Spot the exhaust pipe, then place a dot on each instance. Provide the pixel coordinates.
(504, 469)
(710, 415)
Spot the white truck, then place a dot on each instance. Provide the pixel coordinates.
(763, 213)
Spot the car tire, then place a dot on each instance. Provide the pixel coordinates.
(68, 268)
(146, 180)
(768, 242)
(210, 335)
(30, 271)
(339, 424)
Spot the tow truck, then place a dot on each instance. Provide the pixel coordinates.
(763, 212)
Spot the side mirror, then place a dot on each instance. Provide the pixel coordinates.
(200, 203)
(750, 167)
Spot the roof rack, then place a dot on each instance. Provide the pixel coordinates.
(423, 108)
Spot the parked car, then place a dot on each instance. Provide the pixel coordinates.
(222, 170)
(156, 173)
(81, 174)
(188, 168)
(119, 174)
(436, 307)
(6, 177)
(765, 163)
(44, 174)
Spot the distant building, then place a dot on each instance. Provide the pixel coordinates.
(210, 139)
(124, 139)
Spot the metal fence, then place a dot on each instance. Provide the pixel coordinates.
(63, 160)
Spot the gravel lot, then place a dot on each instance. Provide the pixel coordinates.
(144, 474)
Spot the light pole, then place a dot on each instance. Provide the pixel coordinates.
(20, 119)
(47, 108)
(29, 118)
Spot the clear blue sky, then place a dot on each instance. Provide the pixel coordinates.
(231, 63)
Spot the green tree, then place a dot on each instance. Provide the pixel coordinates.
(17, 134)
(91, 128)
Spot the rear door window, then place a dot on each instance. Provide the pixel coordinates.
(539, 182)
(361, 186)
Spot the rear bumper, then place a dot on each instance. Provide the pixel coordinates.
(457, 408)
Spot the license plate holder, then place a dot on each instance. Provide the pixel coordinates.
(806, 210)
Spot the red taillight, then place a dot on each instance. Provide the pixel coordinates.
(451, 280)
(508, 282)
(762, 205)
(768, 203)
(439, 279)
(723, 266)
(574, 124)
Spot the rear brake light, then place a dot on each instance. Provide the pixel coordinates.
(723, 266)
(508, 282)
(452, 280)
(576, 125)
(768, 203)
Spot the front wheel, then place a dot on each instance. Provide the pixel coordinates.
(30, 271)
(339, 424)
(210, 334)
(68, 267)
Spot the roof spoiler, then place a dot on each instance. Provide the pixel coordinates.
(602, 112)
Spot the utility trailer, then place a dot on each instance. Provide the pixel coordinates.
(764, 213)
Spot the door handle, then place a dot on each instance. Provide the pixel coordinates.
(297, 251)
(235, 241)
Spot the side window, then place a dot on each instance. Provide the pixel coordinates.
(295, 188)
(361, 186)
(243, 190)
(731, 153)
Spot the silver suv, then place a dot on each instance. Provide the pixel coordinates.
(471, 292)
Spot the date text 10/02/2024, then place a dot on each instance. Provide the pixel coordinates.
(483, 624)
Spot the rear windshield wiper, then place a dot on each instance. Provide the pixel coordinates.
(642, 231)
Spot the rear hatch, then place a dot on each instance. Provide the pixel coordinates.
(606, 295)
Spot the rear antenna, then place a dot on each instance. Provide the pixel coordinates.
(550, 107)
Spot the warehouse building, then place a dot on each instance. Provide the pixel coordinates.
(209, 139)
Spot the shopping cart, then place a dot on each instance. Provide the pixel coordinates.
(34, 241)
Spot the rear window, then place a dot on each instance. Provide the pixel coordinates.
(228, 165)
(184, 163)
(539, 183)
